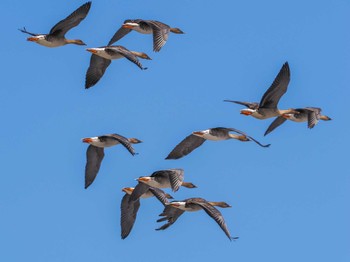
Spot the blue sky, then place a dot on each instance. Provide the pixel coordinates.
(289, 202)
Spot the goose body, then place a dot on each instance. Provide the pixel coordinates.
(159, 30)
(95, 152)
(129, 208)
(267, 107)
(169, 178)
(175, 209)
(197, 138)
(56, 37)
(311, 115)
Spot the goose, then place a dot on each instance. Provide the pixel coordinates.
(267, 107)
(311, 115)
(56, 37)
(159, 30)
(129, 208)
(197, 138)
(173, 178)
(175, 209)
(95, 152)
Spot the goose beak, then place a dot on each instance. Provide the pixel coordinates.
(91, 50)
(32, 39)
(127, 26)
(87, 140)
(246, 113)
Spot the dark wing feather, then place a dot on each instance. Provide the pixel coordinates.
(213, 213)
(61, 28)
(314, 114)
(170, 214)
(97, 68)
(160, 34)
(24, 30)
(159, 194)
(244, 134)
(312, 118)
(250, 105)
(186, 146)
(128, 215)
(125, 142)
(276, 123)
(277, 89)
(118, 35)
(126, 53)
(176, 177)
(94, 156)
(139, 190)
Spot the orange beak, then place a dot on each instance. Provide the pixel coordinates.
(127, 189)
(32, 39)
(91, 50)
(246, 113)
(87, 140)
(143, 179)
(127, 26)
(174, 204)
(286, 116)
(198, 133)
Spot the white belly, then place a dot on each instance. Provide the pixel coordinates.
(46, 43)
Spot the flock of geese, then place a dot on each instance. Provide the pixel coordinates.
(149, 186)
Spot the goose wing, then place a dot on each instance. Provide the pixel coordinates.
(213, 213)
(277, 89)
(62, 27)
(276, 123)
(159, 194)
(94, 156)
(125, 142)
(126, 53)
(97, 68)
(138, 191)
(250, 105)
(170, 214)
(119, 34)
(175, 176)
(186, 146)
(128, 215)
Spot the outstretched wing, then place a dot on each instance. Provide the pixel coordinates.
(124, 141)
(138, 191)
(215, 214)
(74, 19)
(276, 123)
(96, 70)
(159, 194)
(94, 156)
(170, 214)
(118, 35)
(126, 53)
(128, 215)
(277, 89)
(186, 146)
(24, 30)
(250, 105)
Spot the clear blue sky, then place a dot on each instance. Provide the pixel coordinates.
(290, 202)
